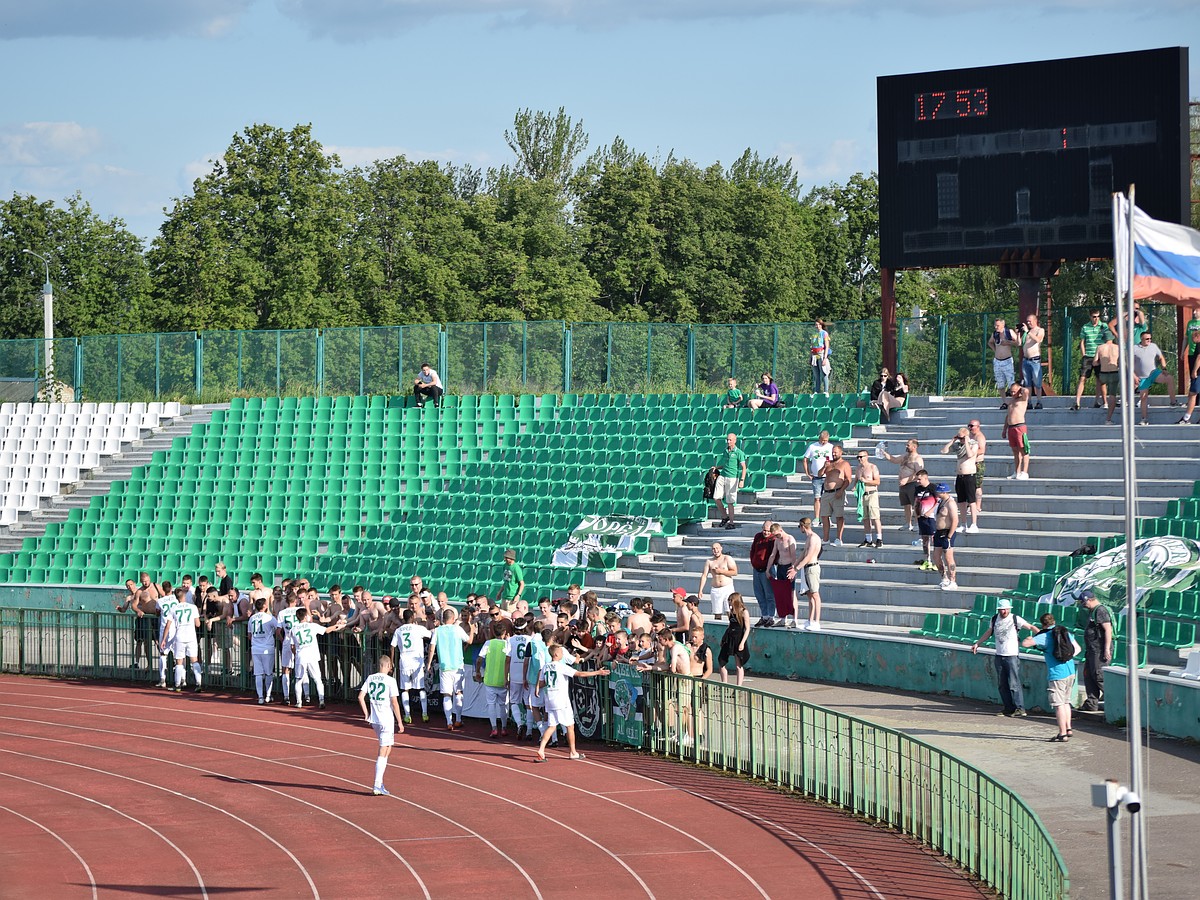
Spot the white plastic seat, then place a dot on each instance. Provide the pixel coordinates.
(1192, 670)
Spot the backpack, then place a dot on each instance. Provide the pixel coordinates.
(710, 482)
(1064, 647)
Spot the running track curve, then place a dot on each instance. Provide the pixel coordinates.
(111, 790)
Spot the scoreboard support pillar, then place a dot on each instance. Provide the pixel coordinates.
(887, 292)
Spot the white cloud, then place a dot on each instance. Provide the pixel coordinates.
(119, 18)
(46, 143)
(833, 162)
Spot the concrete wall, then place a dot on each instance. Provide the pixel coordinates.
(95, 599)
(1169, 705)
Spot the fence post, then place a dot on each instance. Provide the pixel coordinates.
(691, 358)
(733, 353)
(443, 352)
(120, 361)
(608, 360)
(775, 352)
(278, 363)
(566, 358)
(858, 374)
(485, 357)
(362, 361)
(649, 345)
(1067, 339)
(78, 369)
(319, 337)
(157, 366)
(241, 334)
(524, 354)
(900, 328)
(198, 366)
(943, 329)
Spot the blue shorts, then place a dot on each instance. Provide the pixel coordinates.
(943, 539)
(1149, 381)
(926, 527)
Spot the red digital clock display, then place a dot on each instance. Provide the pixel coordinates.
(936, 106)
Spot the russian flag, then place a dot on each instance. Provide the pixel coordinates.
(1166, 257)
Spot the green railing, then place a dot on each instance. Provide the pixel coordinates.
(876, 772)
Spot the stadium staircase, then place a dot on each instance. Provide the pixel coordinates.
(1028, 528)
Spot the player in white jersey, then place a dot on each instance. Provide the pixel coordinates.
(307, 653)
(165, 605)
(448, 640)
(537, 656)
(380, 690)
(555, 682)
(518, 691)
(409, 643)
(261, 628)
(286, 619)
(180, 639)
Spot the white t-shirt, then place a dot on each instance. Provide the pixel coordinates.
(379, 690)
(432, 379)
(304, 639)
(518, 652)
(287, 620)
(165, 606)
(816, 455)
(410, 641)
(262, 627)
(1005, 632)
(557, 676)
(185, 616)
(1145, 357)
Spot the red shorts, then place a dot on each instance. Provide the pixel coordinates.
(1017, 439)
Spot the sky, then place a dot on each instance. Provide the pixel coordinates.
(128, 101)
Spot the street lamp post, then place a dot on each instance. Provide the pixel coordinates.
(47, 322)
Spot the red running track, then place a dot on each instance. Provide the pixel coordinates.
(109, 790)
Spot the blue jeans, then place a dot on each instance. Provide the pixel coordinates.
(1031, 372)
(820, 379)
(1008, 678)
(763, 594)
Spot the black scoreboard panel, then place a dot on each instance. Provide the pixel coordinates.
(978, 164)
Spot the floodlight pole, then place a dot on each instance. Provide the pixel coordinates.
(47, 320)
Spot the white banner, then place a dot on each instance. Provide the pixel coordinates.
(602, 534)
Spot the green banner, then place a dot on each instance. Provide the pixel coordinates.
(626, 696)
(1165, 563)
(602, 534)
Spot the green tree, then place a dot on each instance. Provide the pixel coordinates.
(259, 242)
(546, 146)
(99, 274)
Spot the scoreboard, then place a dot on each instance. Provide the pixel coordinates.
(980, 165)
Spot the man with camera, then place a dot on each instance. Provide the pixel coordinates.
(1032, 336)
(1016, 432)
(1001, 343)
(966, 490)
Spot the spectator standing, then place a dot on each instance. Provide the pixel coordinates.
(1150, 368)
(965, 451)
(837, 476)
(512, 582)
(1060, 673)
(783, 558)
(910, 462)
(946, 524)
(1193, 364)
(731, 477)
(819, 358)
(1108, 362)
(806, 574)
(1006, 627)
(1098, 649)
(1016, 431)
(976, 432)
(765, 393)
(762, 548)
(1091, 336)
(722, 568)
(733, 398)
(1139, 326)
(867, 475)
(926, 505)
(815, 457)
(428, 386)
(1032, 336)
(1001, 342)
(733, 642)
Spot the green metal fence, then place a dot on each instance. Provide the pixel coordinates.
(876, 772)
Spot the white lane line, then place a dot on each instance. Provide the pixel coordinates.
(166, 840)
(62, 762)
(58, 837)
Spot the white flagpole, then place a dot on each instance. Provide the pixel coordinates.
(1125, 330)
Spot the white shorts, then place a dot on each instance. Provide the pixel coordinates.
(412, 679)
(564, 717)
(536, 701)
(451, 682)
(385, 733)
(184, 650)
(286, 660)
(264, 661)
(720, 599)
(726, 489)
(518, 695)
(496, 696)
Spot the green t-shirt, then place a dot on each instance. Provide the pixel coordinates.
(1193, 336)
(731, 464)
(733, 396)
(1093, 336)
(510, 581)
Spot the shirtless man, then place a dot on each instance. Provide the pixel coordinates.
(943, 538)
(867, 475)
(910, 463)
(966, 451)
(815, 457)
(806, 574)
(1001, 343)
(722, 568)
(1032, 336)
(143, 600)
(1016, 432)
(976, 432)
(638, 620)
(257, 590)
(836, 476)
(1108, 360)
(682, 616)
